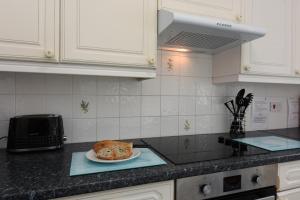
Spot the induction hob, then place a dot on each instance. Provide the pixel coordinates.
(293, 133)
(197, 148)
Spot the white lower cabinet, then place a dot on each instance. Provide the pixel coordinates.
(288, 185)
(154, 191)
(289, 175)
(289, 195)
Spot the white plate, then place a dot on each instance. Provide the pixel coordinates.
(91, 155)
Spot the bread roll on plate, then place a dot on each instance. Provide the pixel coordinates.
(113, 150)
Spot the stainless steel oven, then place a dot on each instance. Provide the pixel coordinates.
(256, 183)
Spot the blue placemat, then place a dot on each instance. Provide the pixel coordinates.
(271, 143)
(81, 165)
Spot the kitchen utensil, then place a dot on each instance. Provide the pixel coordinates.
(91, 155)
(239, 99)
(247, 100)
(229, 105)
(232, 105)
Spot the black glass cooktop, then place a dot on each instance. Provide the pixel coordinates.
(292, 133)
(196, 148)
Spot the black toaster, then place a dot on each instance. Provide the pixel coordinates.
(35, 132)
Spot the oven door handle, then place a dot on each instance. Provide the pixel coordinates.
(267, 198)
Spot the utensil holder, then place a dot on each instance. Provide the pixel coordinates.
(237, 128)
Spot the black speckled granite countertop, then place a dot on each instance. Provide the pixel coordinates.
(45, 175)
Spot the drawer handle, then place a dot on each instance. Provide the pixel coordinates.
(297, 72)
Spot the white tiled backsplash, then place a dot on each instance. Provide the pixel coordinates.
(182, 100)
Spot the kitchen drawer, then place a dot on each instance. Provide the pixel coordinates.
(288, 175)
(289, 195)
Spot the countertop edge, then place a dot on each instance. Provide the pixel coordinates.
(181, 171)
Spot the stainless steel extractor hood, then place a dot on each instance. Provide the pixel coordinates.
(184, 32)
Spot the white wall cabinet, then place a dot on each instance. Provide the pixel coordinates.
(268, 59)
(270, 54)
(86, 37)
(29, 30)
(288, 184)
(114, 33)
(296, 36)
(154, 191)
(225, 9)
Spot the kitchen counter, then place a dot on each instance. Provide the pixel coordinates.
(45, 175)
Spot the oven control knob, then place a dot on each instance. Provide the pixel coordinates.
(256, 179)
(205, 189)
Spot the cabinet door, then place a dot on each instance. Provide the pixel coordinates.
(154, 191)
(270, 54)
(224, 9)
(114, 32)
(296, 37)
(29, 29)
(289, 175)
(289, 195)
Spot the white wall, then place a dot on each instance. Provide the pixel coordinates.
(181, 100)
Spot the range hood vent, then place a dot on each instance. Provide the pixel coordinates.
(180, 31)
(199, 40)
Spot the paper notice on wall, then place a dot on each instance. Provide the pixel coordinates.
(293, 112)
(260, 113)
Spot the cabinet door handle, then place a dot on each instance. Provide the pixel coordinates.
(151, 61)
(247, 68)
(49, 54)
(239, 18)
(297, 72)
